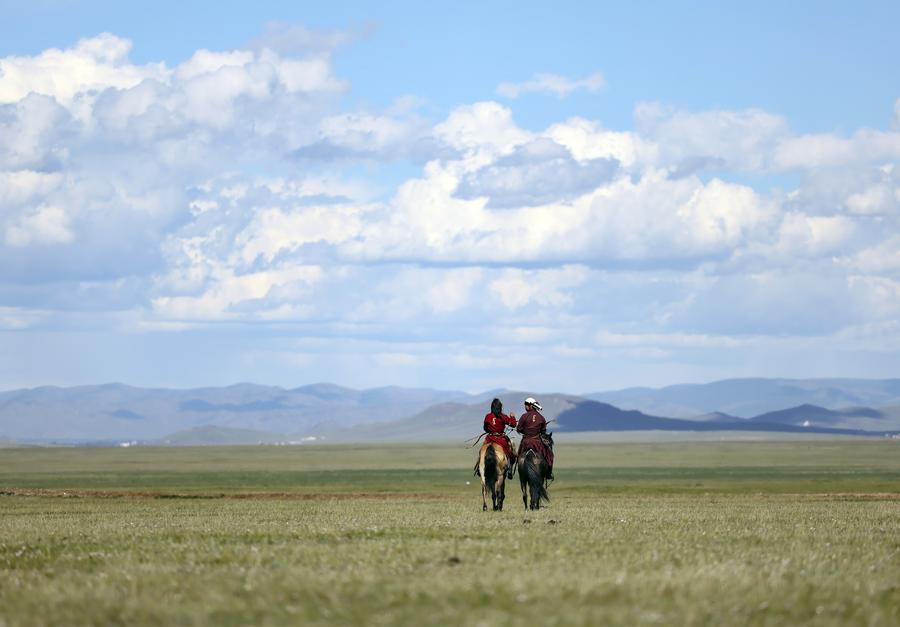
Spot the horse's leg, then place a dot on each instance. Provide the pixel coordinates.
(484, 490)
(501, 480)
(497, 489)
(523, 484)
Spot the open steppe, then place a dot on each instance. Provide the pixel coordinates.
(707, 532)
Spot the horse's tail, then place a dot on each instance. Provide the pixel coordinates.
(535, 477)
(490, 469)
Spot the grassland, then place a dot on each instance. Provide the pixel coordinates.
(767, 533)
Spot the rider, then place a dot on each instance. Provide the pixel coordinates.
(532, 426)
(495, 423)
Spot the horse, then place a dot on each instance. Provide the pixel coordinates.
(492, 467)
(533, 473)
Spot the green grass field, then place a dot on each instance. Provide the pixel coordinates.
(725, 533)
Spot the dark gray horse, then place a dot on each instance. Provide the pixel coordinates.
(533, 473)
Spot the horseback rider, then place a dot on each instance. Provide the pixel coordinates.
(533, 427)
(495, 423)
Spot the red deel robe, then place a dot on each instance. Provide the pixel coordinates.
(494, 426)
(531, 425)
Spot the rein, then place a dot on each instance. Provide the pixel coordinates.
(478, 438)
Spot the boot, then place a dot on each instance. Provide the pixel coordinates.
(550, 474)
(477, 474)
(511, 469)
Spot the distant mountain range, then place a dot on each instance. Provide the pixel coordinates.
(751, 397)
(116, 411)
(577, 414)
(248, 413)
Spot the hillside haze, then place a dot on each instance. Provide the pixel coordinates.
(116, 411)
(746, 398)
(250, 413)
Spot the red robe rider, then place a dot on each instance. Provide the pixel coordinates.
(532, 426)
(495, 423)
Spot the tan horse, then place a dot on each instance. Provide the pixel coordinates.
(492, 467)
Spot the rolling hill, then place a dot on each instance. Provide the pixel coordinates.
(596, 416)
(249, 413)
(116, 411)
(750, 397)
(572, 414)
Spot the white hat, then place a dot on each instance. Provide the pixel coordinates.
(530, 401)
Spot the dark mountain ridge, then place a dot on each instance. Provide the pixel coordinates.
(596, 416)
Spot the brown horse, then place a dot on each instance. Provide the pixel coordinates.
(533, 472)
(492, 467)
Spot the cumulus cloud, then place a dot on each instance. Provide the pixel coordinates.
(587, 140)
(882, 258)
(92, 65)
(265, 295)
(240, 187)
(718, 140)
(362, 135)
(518, 288)
(536, 173)
(552, 84)
(830, 151)
(484, 127)
(33, 134)
(44, 225)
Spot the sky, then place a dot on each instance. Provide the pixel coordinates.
(576, 197)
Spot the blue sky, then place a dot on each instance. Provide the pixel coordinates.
(576, 197)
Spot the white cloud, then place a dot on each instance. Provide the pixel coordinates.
(813, 235)
(453, 291)
(405, 293)
(274, 230)
(239, 187)
(18, 187)
(552, 84)
(207, 62)
(881, 197)
(518, 288)
(42, 225)
(880, 296)
(720, 214)
(883, 257)
(688, 142)
(536, 173)
(93, 64)
(272, 294)
(32, 134)
(831, 151)
(363, 135)
(586, 140)
(17, 318)
(483, 126)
